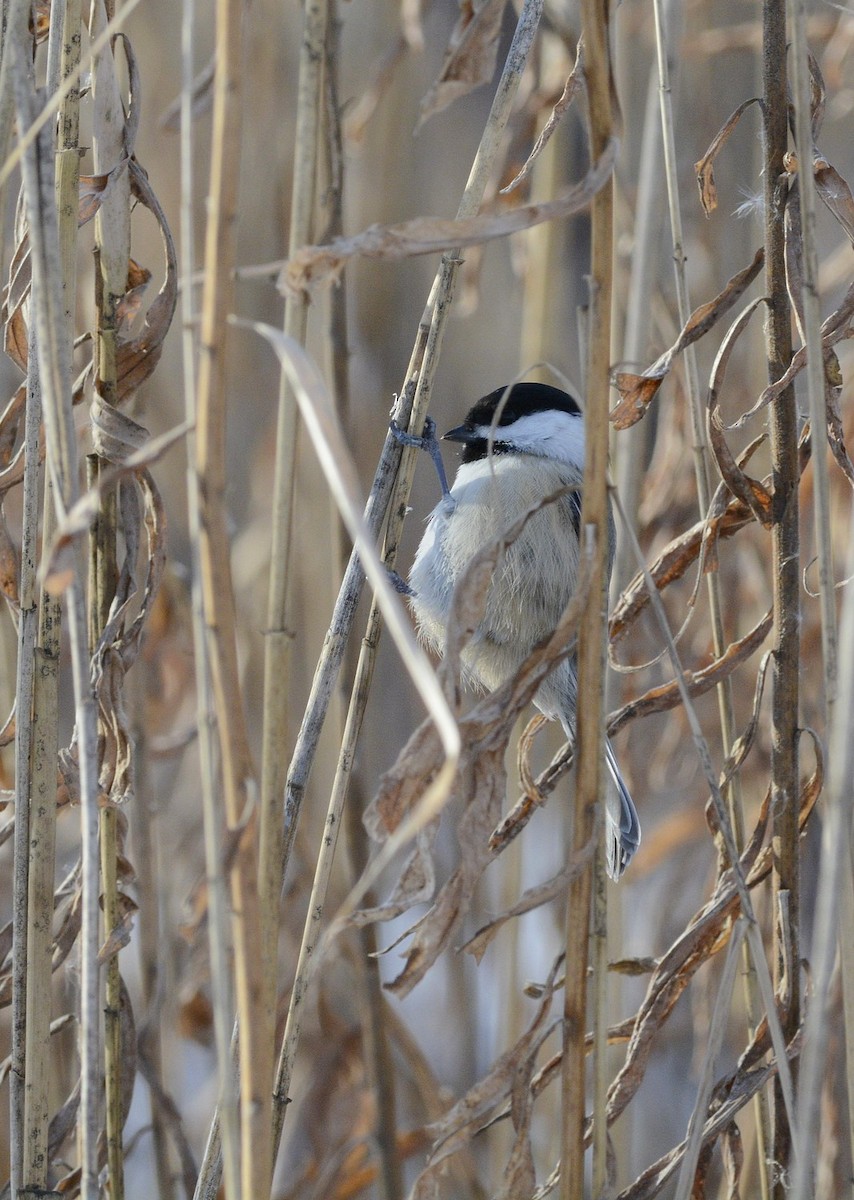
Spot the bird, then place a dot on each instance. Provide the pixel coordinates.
(520, 445)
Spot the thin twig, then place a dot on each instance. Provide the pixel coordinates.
(786, 568)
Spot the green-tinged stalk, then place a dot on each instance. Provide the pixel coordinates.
(222, 1153)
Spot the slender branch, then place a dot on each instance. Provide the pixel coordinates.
(786, 569)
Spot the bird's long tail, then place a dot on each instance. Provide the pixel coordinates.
(623, 833)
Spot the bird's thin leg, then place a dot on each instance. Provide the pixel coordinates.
(427, 441)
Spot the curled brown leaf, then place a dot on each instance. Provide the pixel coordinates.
(470, 57)
(705, 167)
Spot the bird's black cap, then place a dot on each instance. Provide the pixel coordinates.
(522, 400)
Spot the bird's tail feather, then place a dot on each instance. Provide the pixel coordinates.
(623, 826)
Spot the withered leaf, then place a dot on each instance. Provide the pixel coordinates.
(456, 1128)
(10, 423)
(484, 791)
(818, 95)
(637, 392)
(94, 190)
(743, 486)
(137, 358)
(534, 897)
(9, 566)
(40, 19)
(131, 302)
(574, 84)
(705, 167)
(667, 696)
(470, 57)
(836, 194)
(312, 265)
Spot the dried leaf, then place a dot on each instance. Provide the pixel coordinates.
(379, 79)
(836, 194)
(9, 565)
(484, 783)
(534, 897)
(312, 265)
(456, 1128)
(638, 391)
(667, 696)
(705, 167)
(673, 562)
(119, 936)
(818, 95)
(137, 358)
(10, 424)
(130, 304)
(574, 84)
(94, 191)
(470, 57)
(40, 20)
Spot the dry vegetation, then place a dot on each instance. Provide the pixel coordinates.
(227, 260)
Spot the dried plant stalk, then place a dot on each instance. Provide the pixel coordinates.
(218, 602)
(590, 723)
(279, 638)
(222, 1152)
(55, 370)
(835, 860)
(112, 253)
(785, 570)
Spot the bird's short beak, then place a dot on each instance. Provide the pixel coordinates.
(462, 433)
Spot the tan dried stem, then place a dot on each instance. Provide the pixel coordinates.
(786, 565)
(112, 252)
(55, 369)
(834, 874)
(222, 1152)
(592, 634)
(218, 602)
(280, 621)
(63, 54)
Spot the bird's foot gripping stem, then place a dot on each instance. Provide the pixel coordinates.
(425, 441)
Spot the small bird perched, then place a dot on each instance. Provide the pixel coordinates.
(519, 447)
